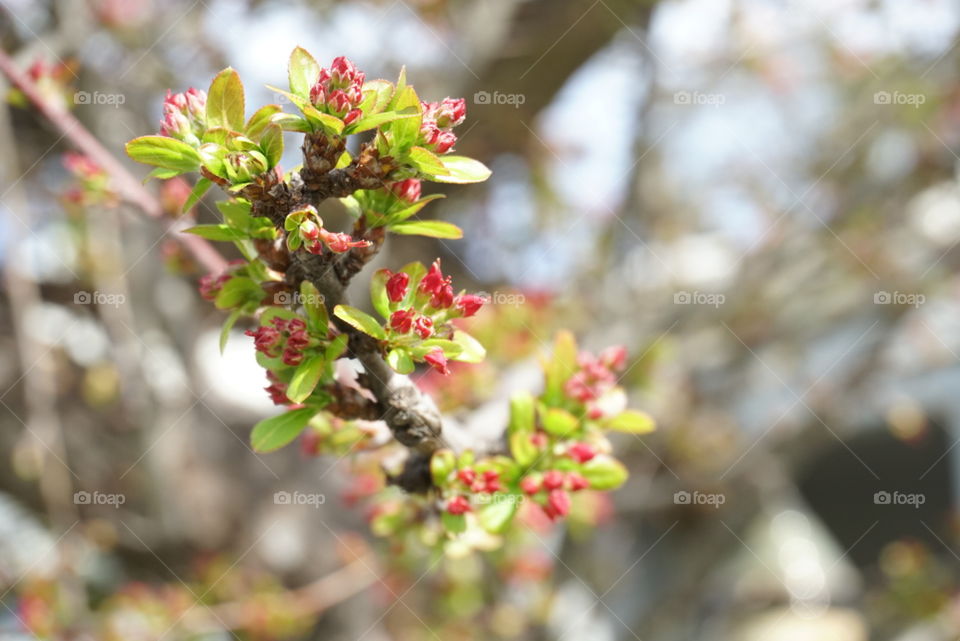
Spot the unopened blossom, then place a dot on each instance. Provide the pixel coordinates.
(530, 484)
(491, 481)
(211, 284)
(576, 482)
(436, 359)
(339, 242)
(438, 286)
(292, 357)
(469, 304)
(407, 190)
(467, 475)
(265, 339)
(184, 115)
(552, 479)
(277, 390)
(397, 286)
(558, 504)
(423, 326)
(338, 90)
(581, 452)
(438, 119)
(458, 505)
(402, 320)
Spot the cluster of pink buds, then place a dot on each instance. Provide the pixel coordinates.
(439, 118)
(595, 377)
(285, 338)
(305, 227)
(458, 505)
(338, 90)
(554, 486)
(441, 293)
(486, 483)
(407, 190)
(184, 115)
(277, 389)
(211, 284)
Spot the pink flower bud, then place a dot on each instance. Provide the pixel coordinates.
(581, 452)
(352, 116)
(211, 284)
(467, 475)
(530, 485)
(278, 393)
(553, 479)
(491, 480)
(469, 304)
(458, 505)
(577, 482)
(338, 103)
(397, 286)
(292, 357)
(402, 320)
(451, 112)
(295, 325)
(407, 190)
(424, 327)
(265, 339)
(309, 230)
(298, 340)
(445, 142)
(340, 242)
(558, 504)
(442, 298)
(318, 95)
(437, 361)
(615, 357)
(434, 280)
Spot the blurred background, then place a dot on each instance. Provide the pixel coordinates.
(758, 198)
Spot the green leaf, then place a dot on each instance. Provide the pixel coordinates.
(237, 291)
(522, 449)
(375, 120)
(461, 170)
(302, 72)
(431, 228)
(271, 143)
(632, 422)
(441, 464)
(336, 348)
(378, 292)
(426, 161)
(260, 119)
(560, 422)
(496, 516)
(454, 523)
(164, 152)
(560, 367)
(236, 213)
(225, 101)
(227, 326)
(359, 320)
(217, 232)
(473, 351)
(376, 96)
(405, 131)
(273, 433)
(312, 301)
(522, 413)
(604, 472)
(403, 214)
(305, 378)
(399, 359)
(292, 122)
(196, 193)
(450, 349)
(162, 174)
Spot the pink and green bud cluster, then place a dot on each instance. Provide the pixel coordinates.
(338, 90)
(305, 228)
(286, 338)
(185, 115)
(439, 118)
(595, 378)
